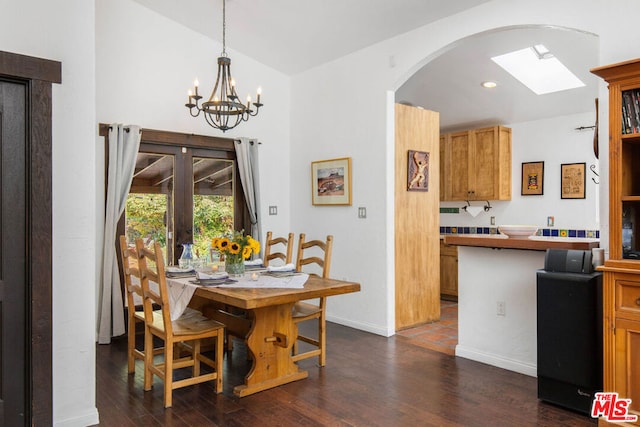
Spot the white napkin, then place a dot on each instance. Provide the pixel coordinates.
(474, 210)
(204, 276)
(175, 269)
(254, 262)
(286, 267)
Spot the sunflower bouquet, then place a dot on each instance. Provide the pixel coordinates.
(235, 248)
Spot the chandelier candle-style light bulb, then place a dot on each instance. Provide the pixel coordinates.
(223, 110)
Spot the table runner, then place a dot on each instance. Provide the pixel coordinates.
(181, 290)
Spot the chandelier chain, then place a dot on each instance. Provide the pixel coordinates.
(224, 28)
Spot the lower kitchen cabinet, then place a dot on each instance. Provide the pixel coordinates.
(448, 272)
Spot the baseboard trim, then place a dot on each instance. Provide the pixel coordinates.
(89, 419)
(497, 361)
(367, 327)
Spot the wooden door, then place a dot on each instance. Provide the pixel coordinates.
(13, 273)
(417, 227)
(458, 167)
(26, 238)
(443, 167)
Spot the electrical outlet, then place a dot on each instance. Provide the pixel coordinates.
(550, 221)
(493, 220)
(501, 308)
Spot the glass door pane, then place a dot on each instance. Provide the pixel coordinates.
(150, 204)
(213, 201)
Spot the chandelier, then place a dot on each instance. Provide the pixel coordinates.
(223, 110)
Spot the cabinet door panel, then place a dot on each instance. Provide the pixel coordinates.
(485, 171)
(627, 362)
(458, 166)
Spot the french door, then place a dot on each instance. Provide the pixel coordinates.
(184, 194)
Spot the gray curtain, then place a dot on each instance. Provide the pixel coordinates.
(124, 142)
(247, 157)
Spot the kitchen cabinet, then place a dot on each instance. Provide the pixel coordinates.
(476, 164)
(621, 294)
(448, 272)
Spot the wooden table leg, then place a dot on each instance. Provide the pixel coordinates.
(269, 341)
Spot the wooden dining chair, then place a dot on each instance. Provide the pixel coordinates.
(316, 252)
(132, 288)
(190, 329)
(284, 253)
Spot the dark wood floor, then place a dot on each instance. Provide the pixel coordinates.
(369, 380)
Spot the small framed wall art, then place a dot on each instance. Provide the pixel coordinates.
(418, 171)
(573, 180)
(532, 179)
(331, 182)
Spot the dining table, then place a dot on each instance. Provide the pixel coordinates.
(266, 323)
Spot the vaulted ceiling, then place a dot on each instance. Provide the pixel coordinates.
(295, 35)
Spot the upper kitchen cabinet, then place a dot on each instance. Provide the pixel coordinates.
(476, 164)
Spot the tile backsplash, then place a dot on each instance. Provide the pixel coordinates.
(552, 232)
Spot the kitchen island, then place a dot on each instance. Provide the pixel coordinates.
(497, 296)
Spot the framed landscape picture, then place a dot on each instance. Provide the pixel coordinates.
(573, 180)
(532, 179)
(331, 182)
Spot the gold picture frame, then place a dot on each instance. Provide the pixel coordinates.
(532, 179)
(331, 182)
(573, 180)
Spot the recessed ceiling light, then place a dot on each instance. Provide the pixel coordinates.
(489, 85)
(538, 69)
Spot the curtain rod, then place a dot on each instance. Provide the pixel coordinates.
(239, 141)
(126, 129)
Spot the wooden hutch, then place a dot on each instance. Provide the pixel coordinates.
(621, 294)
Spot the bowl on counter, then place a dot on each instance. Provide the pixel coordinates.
(518, 230)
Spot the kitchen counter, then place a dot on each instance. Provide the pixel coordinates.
(497, 296)
(533, 243)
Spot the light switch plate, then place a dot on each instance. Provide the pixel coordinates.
(362, 212)
(273, 210)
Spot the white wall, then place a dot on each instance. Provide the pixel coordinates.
(145, 63)
(487, 276)
(48, 30)
(342, 112)
(554, 141)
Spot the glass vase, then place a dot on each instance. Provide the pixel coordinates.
(234, 267)
(186, 259)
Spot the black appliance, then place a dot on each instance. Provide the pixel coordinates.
(569, 310)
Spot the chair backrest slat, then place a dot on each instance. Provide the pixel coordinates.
(270, 254)
(130, 269)
(307, 254)
(146, 257)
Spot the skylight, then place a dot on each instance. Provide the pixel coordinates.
(538, 69)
